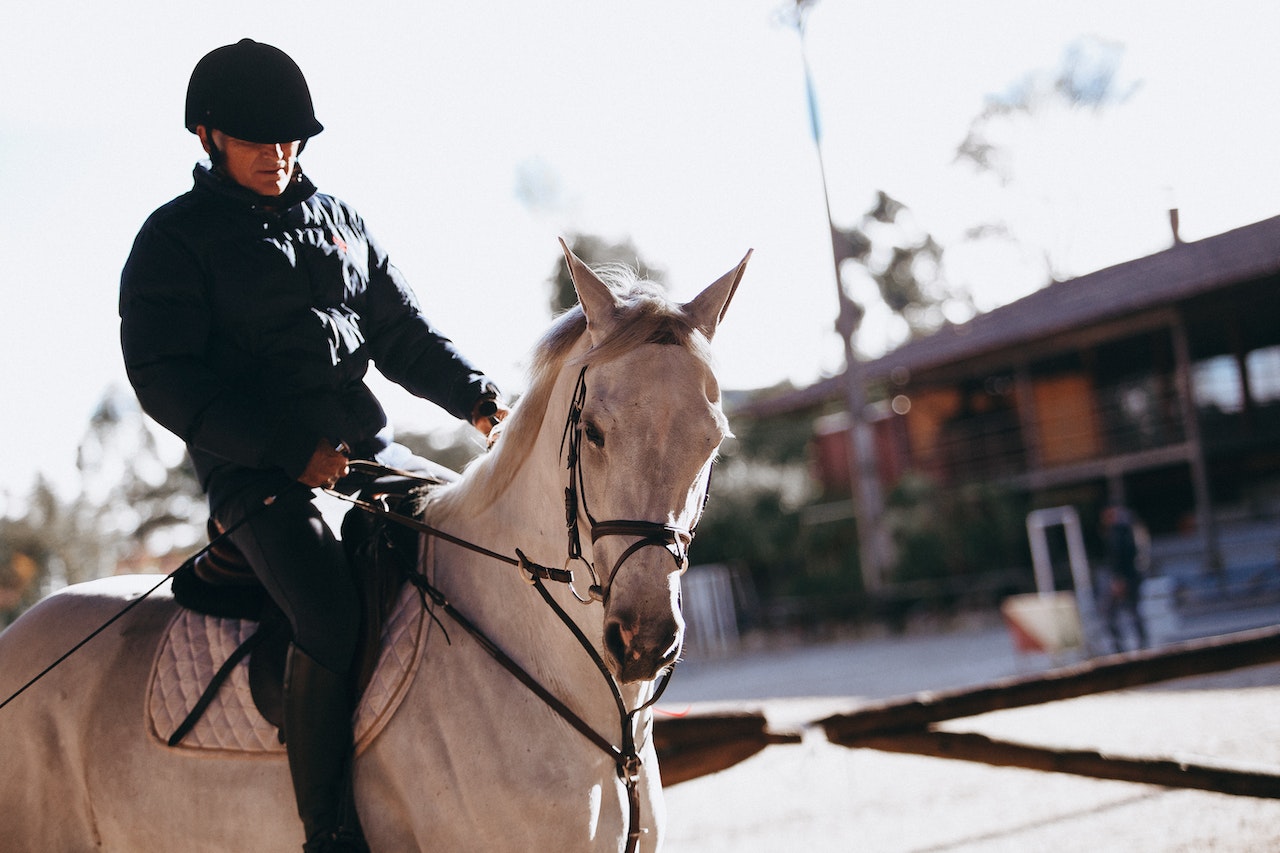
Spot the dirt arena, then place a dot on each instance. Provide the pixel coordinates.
(816, 797)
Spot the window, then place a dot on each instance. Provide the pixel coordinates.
(1215, 384)
(1263, 366)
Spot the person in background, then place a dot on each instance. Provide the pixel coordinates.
(251, 308)
(1122, 590)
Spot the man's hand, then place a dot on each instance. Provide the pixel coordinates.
(327, 466)
(487, 414)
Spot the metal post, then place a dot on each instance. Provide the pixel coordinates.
(1205, 519)
(864, 478)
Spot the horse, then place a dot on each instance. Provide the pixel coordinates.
(611, 446)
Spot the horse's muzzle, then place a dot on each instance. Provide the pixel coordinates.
(640, 653)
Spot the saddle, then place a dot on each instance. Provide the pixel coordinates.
(220, 583)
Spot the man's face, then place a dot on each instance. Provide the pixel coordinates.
(264, 167)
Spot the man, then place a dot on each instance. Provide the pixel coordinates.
(250, 309)
(1123, 589)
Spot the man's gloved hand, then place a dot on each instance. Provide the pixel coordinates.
(328, 465)
(487, 413)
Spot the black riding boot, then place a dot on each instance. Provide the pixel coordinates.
(318, 739)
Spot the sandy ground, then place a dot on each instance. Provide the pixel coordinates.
(816, 797)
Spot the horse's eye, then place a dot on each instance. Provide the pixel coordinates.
(594, 435)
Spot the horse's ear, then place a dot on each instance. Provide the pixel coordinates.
(708, 307)
(597, 300)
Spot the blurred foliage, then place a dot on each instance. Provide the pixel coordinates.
(452, 448)
(952, 533)
(755, 518)
(27, 547)
(133, 512)
(596, 252)
(904, 263)
(1087, 77)
(781, 441)
(753, 521)
(1015, 141)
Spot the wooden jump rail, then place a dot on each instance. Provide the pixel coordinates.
(905, 725)
(698, 745)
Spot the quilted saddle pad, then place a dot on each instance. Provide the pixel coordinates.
(195, 646)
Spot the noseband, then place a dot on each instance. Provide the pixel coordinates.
(675, 540)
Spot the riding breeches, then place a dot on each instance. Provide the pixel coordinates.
(296, 555)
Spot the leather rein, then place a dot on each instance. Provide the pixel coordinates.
(675, 540)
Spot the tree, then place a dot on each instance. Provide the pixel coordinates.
(27, 548)
(596, 252)
(452, 447)
(1017, 140)
(758, 491)
(132, 496)
(904, 263)
(133, 512)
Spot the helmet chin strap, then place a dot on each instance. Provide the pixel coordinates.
(216, 155)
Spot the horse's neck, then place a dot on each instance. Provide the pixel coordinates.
(527, 516)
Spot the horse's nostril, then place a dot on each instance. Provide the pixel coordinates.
(614, 642)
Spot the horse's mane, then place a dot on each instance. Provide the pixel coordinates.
(643, 314)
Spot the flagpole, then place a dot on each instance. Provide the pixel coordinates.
(864, 478)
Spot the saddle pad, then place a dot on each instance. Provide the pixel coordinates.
(195, 646)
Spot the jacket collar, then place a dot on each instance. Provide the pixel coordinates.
(299, 190)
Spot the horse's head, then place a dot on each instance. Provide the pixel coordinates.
(644, 430)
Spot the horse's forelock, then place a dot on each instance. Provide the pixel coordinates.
(643, 315)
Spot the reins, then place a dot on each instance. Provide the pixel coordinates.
(379, 509)
(626, 757)
(673, 539)
(266, 502)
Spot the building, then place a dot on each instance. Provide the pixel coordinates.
(1154, 383)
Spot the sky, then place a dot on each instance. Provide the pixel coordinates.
(682, 127)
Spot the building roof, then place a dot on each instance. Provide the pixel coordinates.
(1180, 272)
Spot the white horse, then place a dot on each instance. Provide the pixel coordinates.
(472, 760)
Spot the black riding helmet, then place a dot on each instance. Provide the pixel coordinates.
(251, 91)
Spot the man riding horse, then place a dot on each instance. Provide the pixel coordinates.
(250, 309)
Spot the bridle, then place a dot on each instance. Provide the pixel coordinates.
(674, 539)
(649, 533)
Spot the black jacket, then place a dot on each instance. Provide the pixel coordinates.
(248, 332)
